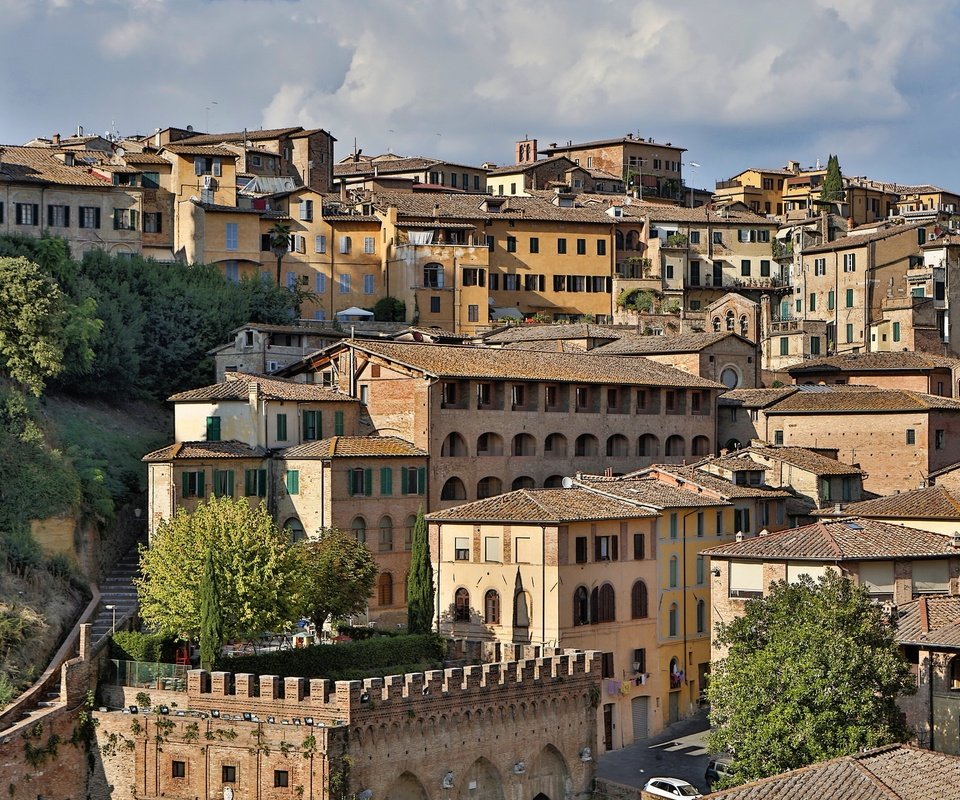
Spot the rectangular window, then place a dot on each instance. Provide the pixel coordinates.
(255, 482)
(369, 286)
(337, 423)
(343, 283)
(281, 779)
(125, 219)
(581, 549)
(213, 429)
(581, 247)
(320, 284)
(745, 267)
(179, 769)
(534, 244)
(312, 427)
(896, 330)
(764, 268)
(819, 266)
(27, 213)
(291, 280)
(778, 437)
(232, 236)
(701, 571)
(281, 427)
(718, 237)
(812, 305)
(293, 481)
(58, 216)
(850, 262)
(511, 244)
(320, 243)
(152, 222)
(784, 345)
(434, 305)
(491, 548)
(345, 243)
(700, 524)
(228, 774)
(473, 313)
(746, 579)
(814, 345)
(849, 298)
(911, 436)
(674, 527)
(850, 333)
(601, 247)
(369, 245)
(306, 210)
(89, 217)
(562, 246)
(414, 480)
(223, 482)
(605, 548)
(831, 300)
(639, 547)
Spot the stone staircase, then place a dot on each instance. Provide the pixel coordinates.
(118, 597)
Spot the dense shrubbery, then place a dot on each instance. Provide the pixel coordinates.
(380, 655)
(136, 646)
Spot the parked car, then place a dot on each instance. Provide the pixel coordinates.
(670, 787)
(717, 768)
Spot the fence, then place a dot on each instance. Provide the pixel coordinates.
(148, 675)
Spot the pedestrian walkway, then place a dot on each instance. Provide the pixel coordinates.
(118, 596)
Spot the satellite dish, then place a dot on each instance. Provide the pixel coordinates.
(567, 483)
(121, 152)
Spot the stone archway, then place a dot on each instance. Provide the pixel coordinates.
(407, 787)
(481, 782)
(548, 777)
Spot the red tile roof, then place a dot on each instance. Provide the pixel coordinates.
(930, 621)
(933, 502)
(236, 387)
(203, 450)
(355, 447)
(543, 505)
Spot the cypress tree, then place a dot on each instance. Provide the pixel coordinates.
(420, 581)
(211, 623)
(832, 189)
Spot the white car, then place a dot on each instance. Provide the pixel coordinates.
(670, 787)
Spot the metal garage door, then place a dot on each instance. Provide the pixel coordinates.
(639, 712)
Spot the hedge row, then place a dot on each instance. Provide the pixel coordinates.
(136, 646)
(381, 655)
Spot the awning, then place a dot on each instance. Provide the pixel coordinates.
(353, 311)
(505, 313)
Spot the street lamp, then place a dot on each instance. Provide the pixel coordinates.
(114, 610)
(695, 165)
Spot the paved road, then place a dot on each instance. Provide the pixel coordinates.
(678, 752)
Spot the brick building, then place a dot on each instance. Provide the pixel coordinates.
(493, 420)
(918, 372)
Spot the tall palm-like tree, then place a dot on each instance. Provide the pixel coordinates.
(280, 243)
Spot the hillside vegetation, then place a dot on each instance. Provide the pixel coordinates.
(89, 350)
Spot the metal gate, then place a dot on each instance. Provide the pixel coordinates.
(639, 710)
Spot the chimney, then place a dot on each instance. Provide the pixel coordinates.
(253, 395)
(156, 138)
(955, 540)
(608, 472)
(56, 140)
(739, 536)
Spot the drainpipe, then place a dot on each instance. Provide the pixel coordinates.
(930, 696)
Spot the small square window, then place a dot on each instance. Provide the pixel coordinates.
(179, 769)
(228, 773)
(281, 778)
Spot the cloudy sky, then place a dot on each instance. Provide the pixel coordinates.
(743, 83)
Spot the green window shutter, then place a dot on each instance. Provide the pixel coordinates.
(403, 480)
(262, 482)
(293, 481)
(386, 481)
(186, 484)
(218, 480)
(310, 431)
(200, 476)
(422, 480)
(350, 482)
(368, 481)
(338, 423)
(281, 427)
(213, 429)
(248, 482)
(229, 483)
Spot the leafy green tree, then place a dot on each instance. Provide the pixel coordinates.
(257, 571)
(280, 243)
(832, 188)
(420, 581)
(211, 620)
(339, 575)
(812, 673)
(389, 309)
(31, 324)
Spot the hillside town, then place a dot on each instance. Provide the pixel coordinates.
(610, 412)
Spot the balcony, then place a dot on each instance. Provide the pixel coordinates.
(728, 185)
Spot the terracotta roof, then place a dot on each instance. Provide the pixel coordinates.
(860, 239)
(575, 330)
(543, 505)
(239, 136)
(438, 332)
(192, 450)
(184, 148)
(236, 387)
(680, 343)
(862, 399)
(714, 483)
(755, 398)
(894, 772)
(851, 539)
(874, 362)
(40, 165)
(649, 491)
(393, 165)
(737, 461)
(144, 158)
(455, 361)
(933, 502)
(443, 206)
(513, 169)
(548, 346)
(930, 621)
(355, 447)
(603, 142)
(804, 459)
(700, 214)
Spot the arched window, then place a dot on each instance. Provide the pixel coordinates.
(294, 529)
(730, 320)
(461, 606)
(700, 446)
(716, 324)
(408, 527)
(672, 620)
(618, 239)
(638, 601)
(606, 612)
(618, 446)
(586, 445)
(648, 445)
(521, 609)
(701, 616)
(385, 589)
(433, 275)
(454, 446)
(744, 326)
(491, 607)
(359, 528)
(489, 487)
(633, 240)
(453, 489)
(386, 534)
(594, 606)
(674, 571)
(524, 445)
(555, 446)
(523, 482)
(581, 606)
(489, 444)
(553, 482)
(675, 446)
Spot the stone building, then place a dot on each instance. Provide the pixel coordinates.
(524, 729)
(259, 348)
(918, 372)
(498, 419)
(929, 508)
